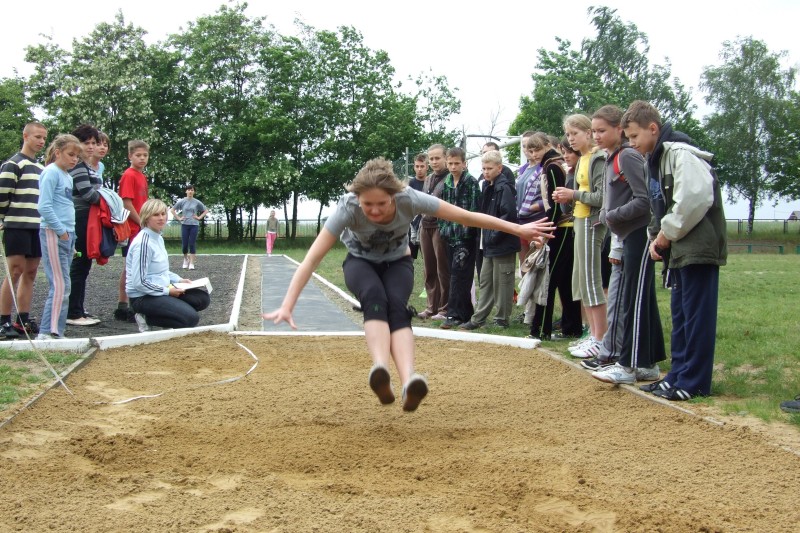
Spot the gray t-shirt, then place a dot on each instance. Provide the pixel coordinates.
(379, 242)
(188, 207)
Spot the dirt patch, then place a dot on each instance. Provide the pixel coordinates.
(508, 440)
(250, 314)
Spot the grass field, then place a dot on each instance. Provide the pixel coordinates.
(22, 373)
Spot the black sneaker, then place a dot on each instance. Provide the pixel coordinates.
(499, 323)
(30, 327)
(673, 394)
(8, 331)
(655, 386)
(450, 323)
(595, 363)
(470, 325)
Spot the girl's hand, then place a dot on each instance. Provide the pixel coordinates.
(280, 315)
(175, 292)
(563, 195)
(535, 230)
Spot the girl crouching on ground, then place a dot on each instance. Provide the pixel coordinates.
(149, 282)
(373, 221)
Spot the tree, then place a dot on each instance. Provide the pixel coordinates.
(755, 127)
(219, 57)
(611, 68)
(14, 114)
(102, 81)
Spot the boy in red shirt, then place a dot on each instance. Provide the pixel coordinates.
(133, 190)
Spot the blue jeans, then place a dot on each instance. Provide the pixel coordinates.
(56, 258)
(189, 237)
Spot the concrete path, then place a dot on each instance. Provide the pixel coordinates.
(313, 312)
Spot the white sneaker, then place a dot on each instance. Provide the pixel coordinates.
(648, 374)
(83, 321)
(414, 391)
(191, 266)
(616, 374)
(44, 337)
(591, 350)
(141, 321)
(185, 264)
(581, 345)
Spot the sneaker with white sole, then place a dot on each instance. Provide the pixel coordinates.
(141, 322)
(414, 391)
(592, 349)
(191, 266)
(616, 374)
(581, 345)
(648, 374)
(185, 264)
(83, 321)
(438, 316)
(381, 383)
(46, 337)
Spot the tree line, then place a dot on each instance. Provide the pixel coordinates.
(255, 118)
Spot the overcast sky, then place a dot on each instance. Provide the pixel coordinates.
(487, 51)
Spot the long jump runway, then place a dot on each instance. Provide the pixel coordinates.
(313, 312)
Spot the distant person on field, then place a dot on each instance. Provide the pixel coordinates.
(57, 232)
(134, 190)
(189, 211)
(372, 221)
(417, 182)
(272, 231)
(497, 277)
(149, 282)
(436, 268)
(19, 222)
(85, 193)
(693, 229)
(461, 190)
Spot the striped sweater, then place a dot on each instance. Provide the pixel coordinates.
(19, 192)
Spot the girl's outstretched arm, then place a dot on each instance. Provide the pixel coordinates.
(322, 244)
(529, 232)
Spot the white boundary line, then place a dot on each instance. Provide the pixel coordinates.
(237, 301)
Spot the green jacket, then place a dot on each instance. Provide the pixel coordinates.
(694, 221)
(465, 195)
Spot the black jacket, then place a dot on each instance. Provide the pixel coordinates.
(499, 200)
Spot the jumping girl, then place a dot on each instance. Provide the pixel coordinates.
(587, 194)
(57, 231)
(373, 220)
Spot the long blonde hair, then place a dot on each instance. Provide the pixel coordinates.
(60, 144)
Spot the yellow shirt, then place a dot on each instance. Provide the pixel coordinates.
(582, 178)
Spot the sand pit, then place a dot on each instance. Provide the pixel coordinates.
(508, 440)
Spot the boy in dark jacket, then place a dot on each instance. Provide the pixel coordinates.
(460, 189)
(497, 277)
(693, 229)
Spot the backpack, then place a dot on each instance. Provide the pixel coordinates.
(617, 169)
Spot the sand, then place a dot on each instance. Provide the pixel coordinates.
(508, 440)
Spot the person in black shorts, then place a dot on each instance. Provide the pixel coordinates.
(19, 222)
